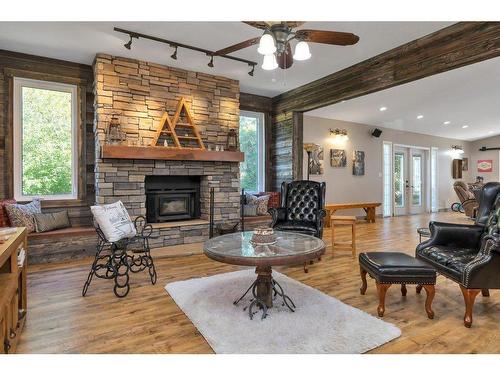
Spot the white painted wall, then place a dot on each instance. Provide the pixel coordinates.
(486, 155)
(343, 187)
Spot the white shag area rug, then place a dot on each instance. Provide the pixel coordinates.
(320, 323)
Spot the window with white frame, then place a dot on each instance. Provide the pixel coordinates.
(434, 180)
(387, 165)
(252, 144)
(45, 139)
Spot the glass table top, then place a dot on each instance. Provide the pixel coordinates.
(239, 245)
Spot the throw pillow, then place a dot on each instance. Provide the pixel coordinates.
(262, 205)
(250, 199)
(4, 218)
(114, 221)
(250, 210)
(51, 221)
(22, 215)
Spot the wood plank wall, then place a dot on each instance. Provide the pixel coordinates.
(12, 64)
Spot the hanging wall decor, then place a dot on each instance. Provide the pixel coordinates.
(338, 158)
(485, 165)
(465, 164)
(316, 161)
(358, 163)
(232, 140)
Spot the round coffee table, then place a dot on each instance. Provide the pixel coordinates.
(290, 249)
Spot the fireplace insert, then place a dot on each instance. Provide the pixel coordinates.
(170, 198)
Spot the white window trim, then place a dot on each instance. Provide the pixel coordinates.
(388, 208)
(434, 185)
(261, 157)
(19, 83)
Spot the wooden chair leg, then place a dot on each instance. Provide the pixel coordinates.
(469, 298)
(381, 290)
(485, 292)
(364, 285)
(354, 240)
(333, 235)
(418, 289)
(403, 290)
(305, 268)
(430, 290)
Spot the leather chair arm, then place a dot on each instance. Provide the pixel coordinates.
(277, 214)
(448, 234)
(482, 272)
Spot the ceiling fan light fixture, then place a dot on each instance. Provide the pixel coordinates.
(266, 44)
(269, 62)
(302, 51)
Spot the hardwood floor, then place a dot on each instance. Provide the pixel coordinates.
(148, 321)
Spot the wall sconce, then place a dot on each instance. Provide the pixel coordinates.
(456, 151)
(338, 136)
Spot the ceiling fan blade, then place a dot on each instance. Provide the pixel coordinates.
(258, 24)
(236, 47)
(285, 60)
(327, 37)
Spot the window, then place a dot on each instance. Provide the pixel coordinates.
(417, 180)
(434, 180)
(45, 140)
(399, 182)
(252, 144)
(387, 152)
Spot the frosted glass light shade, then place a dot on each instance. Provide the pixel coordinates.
(266, 45)
(269, 62)
(302, 51)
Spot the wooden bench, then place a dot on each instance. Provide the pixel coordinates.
(62, 244)
(369, 208)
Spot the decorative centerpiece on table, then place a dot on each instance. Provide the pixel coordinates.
(263, 236)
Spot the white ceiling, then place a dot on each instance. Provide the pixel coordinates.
(80, 41)
(467, 96)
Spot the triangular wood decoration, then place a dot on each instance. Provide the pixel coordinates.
(172, 128)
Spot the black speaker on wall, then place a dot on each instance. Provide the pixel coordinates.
(376, 132)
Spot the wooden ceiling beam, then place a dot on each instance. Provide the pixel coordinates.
(455, 46)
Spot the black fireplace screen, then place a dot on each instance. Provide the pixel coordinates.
(170, 198)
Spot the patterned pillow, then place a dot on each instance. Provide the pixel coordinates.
(262, 205)
(22, 215)
(114, 221)
(250, 199)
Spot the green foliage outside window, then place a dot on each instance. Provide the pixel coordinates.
(46, 142)
(249, 145)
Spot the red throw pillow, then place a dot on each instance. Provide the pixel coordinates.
(4, 219)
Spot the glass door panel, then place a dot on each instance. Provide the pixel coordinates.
(417, 180)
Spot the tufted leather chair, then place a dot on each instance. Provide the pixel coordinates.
(302, 208)
(467, 198)
(468, 254)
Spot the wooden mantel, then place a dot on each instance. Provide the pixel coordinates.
(165, 153)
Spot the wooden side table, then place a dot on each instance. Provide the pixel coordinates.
(344, 220)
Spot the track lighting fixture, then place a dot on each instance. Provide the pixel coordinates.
(250, 73)
(129, 43)
(211, 63)
(174, 55)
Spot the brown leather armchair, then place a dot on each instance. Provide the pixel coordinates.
(468, 254)
(467, 198)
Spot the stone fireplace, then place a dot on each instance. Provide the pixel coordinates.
(139, 93)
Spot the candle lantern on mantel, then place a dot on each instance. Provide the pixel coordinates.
(232, 140)
(115, 134)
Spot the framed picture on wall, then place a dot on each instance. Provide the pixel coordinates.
(316, 162)
(485, 165)
(465, 164)
(338, 158)
(358, 163)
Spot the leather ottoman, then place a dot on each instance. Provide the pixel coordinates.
(389, 268)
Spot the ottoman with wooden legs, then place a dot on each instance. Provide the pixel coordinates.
(389, 268)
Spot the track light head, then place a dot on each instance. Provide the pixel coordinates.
(174, 55)
(129, 43)
(211, 63)
(250, 73)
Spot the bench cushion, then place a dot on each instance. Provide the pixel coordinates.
(396, 268)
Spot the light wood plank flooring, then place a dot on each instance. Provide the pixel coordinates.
(148, 320)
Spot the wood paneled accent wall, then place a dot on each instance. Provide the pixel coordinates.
(455, 46)
(14, 64)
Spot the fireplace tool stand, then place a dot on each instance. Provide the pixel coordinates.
(114, 260)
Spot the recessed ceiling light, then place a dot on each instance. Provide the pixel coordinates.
(273, 79)
(382, 109)
(420, 117)
(490, 132)
(465, 126)
(446, 123)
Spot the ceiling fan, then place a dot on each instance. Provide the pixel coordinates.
(274, 44)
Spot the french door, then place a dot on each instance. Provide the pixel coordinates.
(409, 180)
